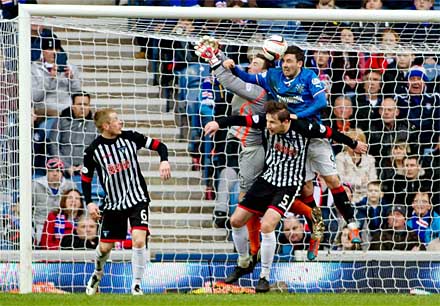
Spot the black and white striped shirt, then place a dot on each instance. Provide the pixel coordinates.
(286, 153)
(117, 165)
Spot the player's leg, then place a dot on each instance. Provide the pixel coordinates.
(252, 203)
(344, 206)
(323, 162)
(111, 228)
(251, 162)
(268, 245)
(101, 256)
(277, 207)
(240, 238)
(139, 231)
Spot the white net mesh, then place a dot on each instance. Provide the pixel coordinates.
(147, 71)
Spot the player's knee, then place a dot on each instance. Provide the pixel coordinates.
(237, 221)
(267, 227)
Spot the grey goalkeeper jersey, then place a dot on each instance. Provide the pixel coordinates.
(249, 99)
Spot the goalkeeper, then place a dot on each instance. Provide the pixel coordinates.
(249, 99)
(305, 97)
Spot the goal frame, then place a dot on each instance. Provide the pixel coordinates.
(27, 11)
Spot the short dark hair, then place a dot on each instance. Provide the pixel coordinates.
(299, 54)
(79, 94)
(277, 108)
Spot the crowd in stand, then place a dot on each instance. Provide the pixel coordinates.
(390, 101)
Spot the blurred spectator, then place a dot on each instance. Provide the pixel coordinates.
(395, 77)
(46, 193)
(212, 105)
(37, 33)
(424, 221)
(293, 235)
(62, 220)
(372, 210)
(341, 118)
(319, 29)
(402, 189)
(73, 131)
(357, 169)
(431, 164)
(343, 241)
(387, 131)
(9, 8)
(381, 61)
(370, 32)
(320, 62)
(396, 236)
(53, 80)
(369, 99)
(394, 164)
(421, 108)
(398, 4)
(428, 32)
(84, 236)
(346, 65)
(40, 149)
(9, 223)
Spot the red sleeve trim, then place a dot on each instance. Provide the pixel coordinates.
(155, 144)
(86, 179)
(248, 120)
(328, 132)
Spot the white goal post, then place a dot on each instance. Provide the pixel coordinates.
(27, 12)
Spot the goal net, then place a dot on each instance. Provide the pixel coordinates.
(141, 62)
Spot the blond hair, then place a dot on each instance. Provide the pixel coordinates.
(356, 134)
(102, 116)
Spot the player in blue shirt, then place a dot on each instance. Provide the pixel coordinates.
(305, 96)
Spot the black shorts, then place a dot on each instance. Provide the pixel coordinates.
(114, 222)
(263, 195)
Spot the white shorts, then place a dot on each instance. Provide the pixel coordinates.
(320, 159)
(251, 163)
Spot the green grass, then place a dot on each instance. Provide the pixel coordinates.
(278, 299)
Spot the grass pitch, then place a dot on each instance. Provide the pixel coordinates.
(278, 299)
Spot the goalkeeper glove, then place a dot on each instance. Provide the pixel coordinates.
(208, 54)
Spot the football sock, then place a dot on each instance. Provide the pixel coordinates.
(253, 226)
(240, 237)
(342, 203)
(138, 263)
(268, 245)
(100, 259)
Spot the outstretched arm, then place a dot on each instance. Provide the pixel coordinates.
(315, 130)
(258, 122)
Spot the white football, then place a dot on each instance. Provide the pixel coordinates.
(274, 47)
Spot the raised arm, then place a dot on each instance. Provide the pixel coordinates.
(248, 91)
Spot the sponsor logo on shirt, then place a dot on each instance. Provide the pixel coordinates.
(285, 150)
(118, 167)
